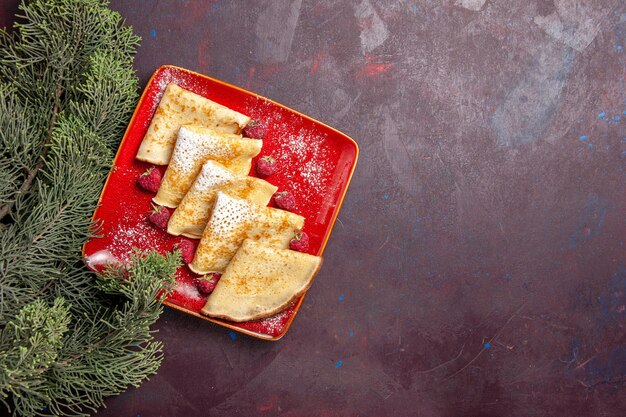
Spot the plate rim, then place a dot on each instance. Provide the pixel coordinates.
(333, 220)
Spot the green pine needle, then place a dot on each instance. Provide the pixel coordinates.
(68, 339)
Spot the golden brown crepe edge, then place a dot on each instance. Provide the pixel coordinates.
(277, 309)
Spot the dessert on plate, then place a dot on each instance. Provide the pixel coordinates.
(261, 281)
(193, 212)
(194, 146)
(232, 221)
(216, 201)
(176, 108)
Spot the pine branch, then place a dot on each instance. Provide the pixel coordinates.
(67, 90)
(20, 125)
(140, 293)
(36, 336)
(40, 365)
(32, 173)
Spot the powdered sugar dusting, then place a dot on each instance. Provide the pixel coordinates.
(230, 214)
(297, 145)
(314, 174)
(166, 78)
(126, 238)
(187, 290)
(192, 148)
(308, 150)
(275, 324)
(306, 159)
(212, 175)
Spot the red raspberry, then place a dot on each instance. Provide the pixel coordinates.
(285, 200)
(150, 180)
(207, 284)
(159, 217)
(265, 166)
(300, 242)
(186, 250)
(254, 129)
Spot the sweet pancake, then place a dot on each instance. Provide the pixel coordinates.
(232, 221)
(261, 281)
(194, 146)
(176, 108)
(192, 214)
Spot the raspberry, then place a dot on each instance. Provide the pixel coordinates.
(150, 180)
(300, 242)
(207, 284)
(186, 250)
(254, 129)
(265, 166)
(159, 217)
(285, 200)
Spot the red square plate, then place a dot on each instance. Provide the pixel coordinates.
(315, 162)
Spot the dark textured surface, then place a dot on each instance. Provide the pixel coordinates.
(477, 266)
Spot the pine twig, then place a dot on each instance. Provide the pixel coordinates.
(52, 222)
(32, 173)
(90, 348)
(50, 283)
(65, 345)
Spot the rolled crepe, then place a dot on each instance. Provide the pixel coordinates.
(261, 281)
(232, 221)
(194, 146)
(192, 214)
(176, 108)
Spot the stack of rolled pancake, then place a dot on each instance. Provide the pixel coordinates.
(216, 201)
